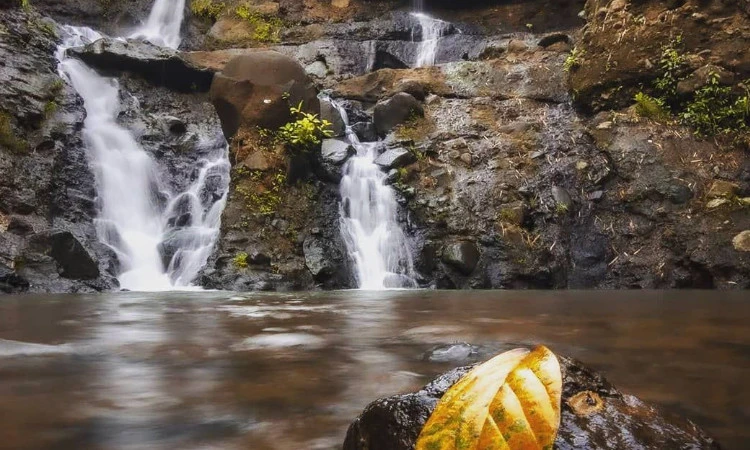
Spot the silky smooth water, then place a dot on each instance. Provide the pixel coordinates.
(368, 219)
(431, 30)
(197, 370)
(163, 25)
(133, 216)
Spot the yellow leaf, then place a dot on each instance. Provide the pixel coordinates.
(511, 402)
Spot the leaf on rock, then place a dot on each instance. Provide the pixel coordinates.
(511, 402)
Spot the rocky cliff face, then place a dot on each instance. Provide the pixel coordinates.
(527, 165)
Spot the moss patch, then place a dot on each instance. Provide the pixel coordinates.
(8, 137)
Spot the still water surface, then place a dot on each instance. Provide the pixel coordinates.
(212, 370)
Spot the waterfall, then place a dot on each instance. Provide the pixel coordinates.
(374, 240)
(163, 25)
(134, 218)
(432, 31)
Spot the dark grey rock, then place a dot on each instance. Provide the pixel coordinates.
(561, 196)
(330, 113)
(336, 151)
(618, 420)
(159, 65)
(394, 111)
(462, 256)
(365, 131)
(74, 260)
(394, 158)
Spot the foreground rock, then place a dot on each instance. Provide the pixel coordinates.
(595, 415)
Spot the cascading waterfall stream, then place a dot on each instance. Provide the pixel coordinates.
(375, 241)
(163, 25)
(133, 219)
(432, 30)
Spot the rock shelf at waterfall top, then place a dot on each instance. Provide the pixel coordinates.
(472, 146)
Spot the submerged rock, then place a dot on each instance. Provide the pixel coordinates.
(595, 415)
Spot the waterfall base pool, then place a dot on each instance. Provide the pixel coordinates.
(290, 371)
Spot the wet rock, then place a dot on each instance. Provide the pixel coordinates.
(365, 131)
(256, 89)
(455, 353)
(394, 158)
(595, 416)
(10, 281)
(317, 260)
(741, 242)
(462, 256)
(336, 151)
(395, 111)
(553, 38)
(330, 113)
(74, 260)
(159, 65)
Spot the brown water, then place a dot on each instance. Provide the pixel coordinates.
(290, 371)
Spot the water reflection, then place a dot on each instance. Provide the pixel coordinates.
(290, 371)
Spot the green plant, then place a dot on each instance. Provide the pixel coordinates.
(8, 137)
(208, 9)
(573, 61)
(651, 107)
(715, 110)
(672, 64)
(265, 28)
(307, 131)
(50, 108)
(25, 5)
(240, 260)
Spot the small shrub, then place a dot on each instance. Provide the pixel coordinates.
(50, 108)
(208, 9)
(651, 107)
(8, 137)
(240, 261)
(265, 28)
(715, 110)
(573, 61)
(25, 5)
(307, 131)
(672, 64)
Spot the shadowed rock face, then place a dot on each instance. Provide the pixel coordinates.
(595, 415)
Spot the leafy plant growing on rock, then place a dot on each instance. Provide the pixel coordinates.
(573, 61)
(651, 107)
(714, 109)
(307, 131)
(207, 8)
(265, 28)
(672, 64)
(240, 260)
(8, 137)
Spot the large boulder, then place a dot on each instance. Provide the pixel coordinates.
(595, 415)
(395, 111)
(256, 90)
(74, 259)
(462, 256)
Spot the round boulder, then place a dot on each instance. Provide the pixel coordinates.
(256, 90)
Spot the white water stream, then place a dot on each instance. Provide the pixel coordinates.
(133, 217)
(373, 237)
(163, 25)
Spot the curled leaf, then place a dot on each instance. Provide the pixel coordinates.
(511, 402)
